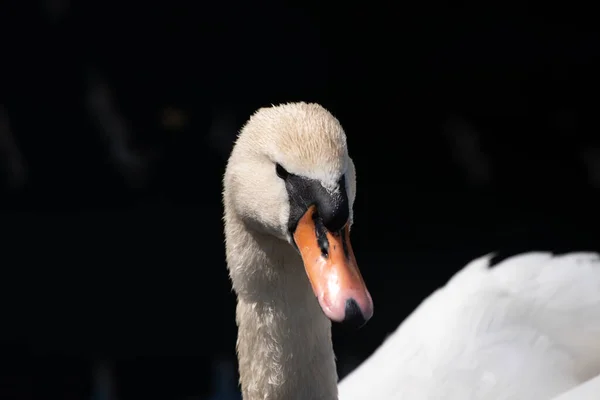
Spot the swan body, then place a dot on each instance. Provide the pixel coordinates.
(528, 328)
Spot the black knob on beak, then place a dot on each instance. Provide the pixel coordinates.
(333, 208)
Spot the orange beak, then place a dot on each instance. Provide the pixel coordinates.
(331, 268)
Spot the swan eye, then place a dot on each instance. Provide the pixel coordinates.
(281, 172)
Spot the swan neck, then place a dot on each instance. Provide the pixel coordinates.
(284, 340)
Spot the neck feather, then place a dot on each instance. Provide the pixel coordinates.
(284, 340)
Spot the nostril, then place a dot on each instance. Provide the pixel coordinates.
(353, 316)
(322, 240)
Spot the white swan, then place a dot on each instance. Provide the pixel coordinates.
(527, 329)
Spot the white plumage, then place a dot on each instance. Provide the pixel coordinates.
(528, 328)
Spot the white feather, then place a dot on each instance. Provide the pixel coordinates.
(529, 329)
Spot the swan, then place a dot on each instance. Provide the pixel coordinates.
(529, 328)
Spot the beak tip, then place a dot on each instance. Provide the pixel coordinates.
(355, 316)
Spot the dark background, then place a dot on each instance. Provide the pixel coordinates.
(473, 129)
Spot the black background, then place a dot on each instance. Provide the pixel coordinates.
(473, 129)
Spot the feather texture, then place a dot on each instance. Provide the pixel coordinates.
(528, 328)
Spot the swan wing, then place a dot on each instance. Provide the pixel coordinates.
(528, 328)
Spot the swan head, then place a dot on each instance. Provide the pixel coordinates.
(289, 176)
